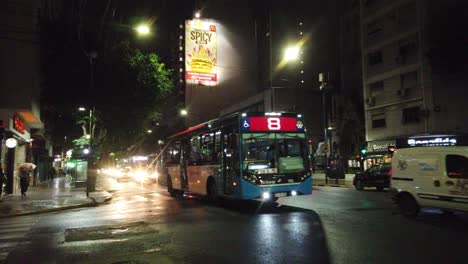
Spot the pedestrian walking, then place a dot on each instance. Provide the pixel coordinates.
(24, 180)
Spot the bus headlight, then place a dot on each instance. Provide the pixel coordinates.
(266, 195)
(293, 193)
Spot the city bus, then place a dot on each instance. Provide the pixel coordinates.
(241, 156)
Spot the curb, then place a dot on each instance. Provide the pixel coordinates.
(108, 198)
(333, 185)
(51, 210)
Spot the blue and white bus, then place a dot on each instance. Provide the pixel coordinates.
(243, 156)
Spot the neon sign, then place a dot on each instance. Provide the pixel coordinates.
(18, 125)
(272, 123)
(439, 141)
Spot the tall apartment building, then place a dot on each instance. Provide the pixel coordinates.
(20, 86)
(405, 95)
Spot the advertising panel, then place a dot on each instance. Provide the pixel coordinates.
(200, 52)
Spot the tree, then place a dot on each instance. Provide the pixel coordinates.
(130, 90)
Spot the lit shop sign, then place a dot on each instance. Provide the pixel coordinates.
(266, 123)
(438, 141)
(381, 145)
(139, 158)
(18, 125)
(200, 52)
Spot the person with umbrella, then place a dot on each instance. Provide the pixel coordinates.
(25, 170)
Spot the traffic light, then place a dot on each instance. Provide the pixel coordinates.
(358, 157)
(364, 151)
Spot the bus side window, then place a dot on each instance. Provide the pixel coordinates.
(194, 156)
(176, 153)
(167, 155)
(217, 149)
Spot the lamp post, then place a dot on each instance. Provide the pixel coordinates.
(90, 180)
(324, 88)
(291, 54)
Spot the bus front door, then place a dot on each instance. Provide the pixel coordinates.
(229, 161)
(185, 152)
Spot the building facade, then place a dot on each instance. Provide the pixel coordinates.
(404, 95)
(20, 86)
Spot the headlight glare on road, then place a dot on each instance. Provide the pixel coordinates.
(140, 175)
(293, 193)
(155, 175)
(266, 195)
(112, 172)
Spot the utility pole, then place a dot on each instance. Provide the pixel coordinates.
(323, 89)
(91, 174)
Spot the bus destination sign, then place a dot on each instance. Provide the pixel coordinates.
(267, 123)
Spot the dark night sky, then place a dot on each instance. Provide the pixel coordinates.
(96, 27)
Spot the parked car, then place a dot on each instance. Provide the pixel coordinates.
(376, 176)
(430, 177)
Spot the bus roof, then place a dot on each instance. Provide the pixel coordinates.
(230, 116)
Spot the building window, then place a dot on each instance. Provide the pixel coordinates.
(409, 80)
(411, 115)
(378, 121)
(373, 30)
(376, 88)
(408, 47)
(457, 166)
(374, 58)
(407, 15)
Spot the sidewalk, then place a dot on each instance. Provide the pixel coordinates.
(54, 195)
(318, 179)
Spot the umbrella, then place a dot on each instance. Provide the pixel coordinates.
(27, 166)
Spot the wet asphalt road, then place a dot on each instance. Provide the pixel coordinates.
(142, 224)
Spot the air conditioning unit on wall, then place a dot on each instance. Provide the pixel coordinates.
(403, 92)
(370, 101)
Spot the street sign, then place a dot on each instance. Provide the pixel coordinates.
(324, 148)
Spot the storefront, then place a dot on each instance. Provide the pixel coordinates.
(15, 150)
(378, 151)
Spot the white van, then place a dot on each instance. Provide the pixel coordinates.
(430, 177)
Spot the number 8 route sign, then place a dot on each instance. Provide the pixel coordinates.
(266, 123)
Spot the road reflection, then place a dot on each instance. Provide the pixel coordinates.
(268, 232)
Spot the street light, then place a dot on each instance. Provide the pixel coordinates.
(291, 53)
(197, 14)
(183, 112)
(142, 29)
(81, 109)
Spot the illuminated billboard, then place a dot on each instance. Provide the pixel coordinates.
(200, 52)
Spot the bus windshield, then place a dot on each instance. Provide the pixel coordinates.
(266, 153)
